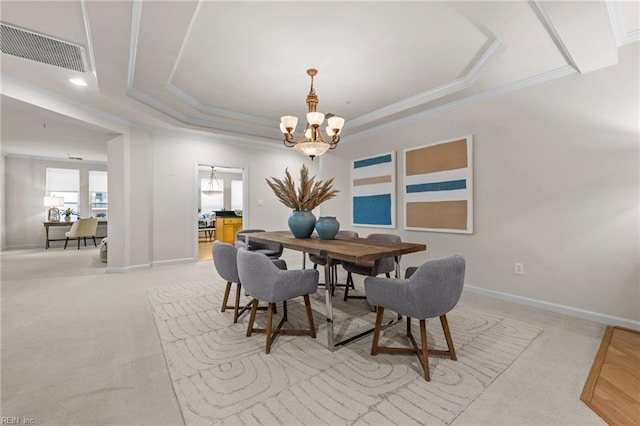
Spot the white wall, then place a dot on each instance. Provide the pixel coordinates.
(556, 187)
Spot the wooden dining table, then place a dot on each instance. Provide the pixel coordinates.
(344, 249)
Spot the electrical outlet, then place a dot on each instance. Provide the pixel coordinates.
(518, 268)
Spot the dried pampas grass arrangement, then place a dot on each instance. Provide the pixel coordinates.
(309, 195)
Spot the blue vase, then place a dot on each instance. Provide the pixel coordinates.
(327, 227)
(301, 223)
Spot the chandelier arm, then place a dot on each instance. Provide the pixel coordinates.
(288, 140)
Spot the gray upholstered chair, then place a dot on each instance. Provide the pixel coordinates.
(319, 260)
(263, 281)
(429, 291)
(273, 250)
(82, 228)
(371, 268)
(225, 262)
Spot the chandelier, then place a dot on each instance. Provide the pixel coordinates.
(312, 142)
(213, 185)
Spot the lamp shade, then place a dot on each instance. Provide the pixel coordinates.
(335, 123)
(315, 118)
(312, 149)
(289, 121)
(50, 201)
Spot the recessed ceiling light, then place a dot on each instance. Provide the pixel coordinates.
(77, 81)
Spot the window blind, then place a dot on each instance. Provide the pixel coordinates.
(63, 180)
(97, 181)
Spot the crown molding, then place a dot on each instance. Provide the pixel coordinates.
(492, 50)
(136, 16)
(620, 32)
(208, 109)
(87, 29)
(553, 33)
(532, 81)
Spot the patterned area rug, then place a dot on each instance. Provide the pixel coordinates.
(220, 376)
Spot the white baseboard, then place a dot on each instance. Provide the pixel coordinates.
(22, 247)
(119, 269)
(562, 309)
(123, 269)
(173, 261)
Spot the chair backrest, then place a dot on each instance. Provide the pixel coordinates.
(349, 234)
(84, 228)
(224, 260)
(258, 274)
(241, 235)
(241, 242)
(386, 264)
(436, 286)
(263, 280)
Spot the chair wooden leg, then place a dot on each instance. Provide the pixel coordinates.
(307, 305)
(252, 317)
(85, 241)
(447, 335)
(408, 326)
(269, 325)
(225, 299)
(66, 242)
(284, 308)
(424, 356)
(78, 243)
(236, 307)
(94, 242)
(388, 275)
(376, 332)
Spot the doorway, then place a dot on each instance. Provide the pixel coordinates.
(220, 201)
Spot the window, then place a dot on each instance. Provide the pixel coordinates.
(215, 201)
(98, 194)
(64, 183)
(236, 195)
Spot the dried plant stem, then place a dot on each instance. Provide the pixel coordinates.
(309, 194)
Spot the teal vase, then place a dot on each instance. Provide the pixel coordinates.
(327, 227)
(301, 223)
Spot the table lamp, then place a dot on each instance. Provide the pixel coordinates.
(53, 203)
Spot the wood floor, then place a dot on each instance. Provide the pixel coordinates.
(204, 249)
(612, 389)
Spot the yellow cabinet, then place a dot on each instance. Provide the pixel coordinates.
(227, 227)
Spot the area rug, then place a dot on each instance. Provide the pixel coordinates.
(220, 376)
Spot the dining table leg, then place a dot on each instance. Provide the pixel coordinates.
(328, 300)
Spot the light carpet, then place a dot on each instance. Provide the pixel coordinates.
(220, 376)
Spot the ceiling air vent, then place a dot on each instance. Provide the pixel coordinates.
(41, 48)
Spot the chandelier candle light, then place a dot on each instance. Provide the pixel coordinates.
(312, 142)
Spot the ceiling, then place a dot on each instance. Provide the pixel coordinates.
(234, 68)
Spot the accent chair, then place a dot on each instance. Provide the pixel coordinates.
(429, 291)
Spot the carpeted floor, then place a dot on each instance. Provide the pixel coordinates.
(220, 376)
